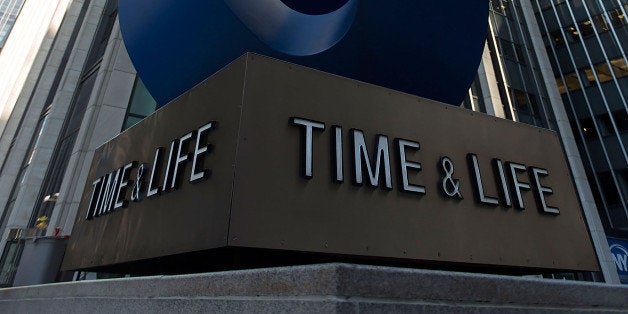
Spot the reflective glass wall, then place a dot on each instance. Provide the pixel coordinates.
(587, 42)
(9, 10)
(140, 106)
(520, 88)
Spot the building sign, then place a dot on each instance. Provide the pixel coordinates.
(270, 155)
(109, 191)
(410, 46)
(619, 251)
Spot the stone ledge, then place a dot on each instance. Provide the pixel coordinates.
(327, 287)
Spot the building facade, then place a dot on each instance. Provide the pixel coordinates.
(81, 90)
(9, 10)
(587, 42)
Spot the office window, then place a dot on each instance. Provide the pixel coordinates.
(9, 261)
(561, 86)
(71, 126)
(620, 117)
(603, 72)
(572, 82)
(600, 23)
(620, 67)
(507, 49)
(557, 37)
(63, 150)
(618, 19)
(573, 34)
(588, 73)
(586, 29)
(521, 99)
(141, 105)
(520, 54)
(501, 6)
(609, 189)
(9, 10)
(621, 120)
(588, 129)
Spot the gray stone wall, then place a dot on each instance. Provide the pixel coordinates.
(325, 288)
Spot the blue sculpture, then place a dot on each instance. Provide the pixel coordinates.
(429, 48)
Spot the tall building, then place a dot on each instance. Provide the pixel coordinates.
(510, 82)
(516, 81)
(587, 42)
(82, 90)
(9, 10)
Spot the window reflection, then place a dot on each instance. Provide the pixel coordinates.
(141, 105)
(602, 70)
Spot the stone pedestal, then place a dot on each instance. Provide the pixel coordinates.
(328, 288)
(272, 156)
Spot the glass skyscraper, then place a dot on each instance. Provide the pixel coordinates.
(587, 43)
(562, 65)
(509, 83)
(9, 10)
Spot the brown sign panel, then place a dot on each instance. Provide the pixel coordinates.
(269, 155)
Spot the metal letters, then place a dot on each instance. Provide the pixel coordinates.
(449, 184)
(361, 160)
(405, 164)
(517, 185)
(480, 195)
(541, 191)
(308, 129)
(109, 191)
(136, 194)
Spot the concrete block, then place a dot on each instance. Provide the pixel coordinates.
(328, 288)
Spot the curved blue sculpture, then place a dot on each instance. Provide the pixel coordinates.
(429, 48)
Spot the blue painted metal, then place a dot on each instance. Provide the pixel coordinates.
(429, 48)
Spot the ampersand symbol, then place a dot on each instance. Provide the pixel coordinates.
(136, 194)
(449, 185)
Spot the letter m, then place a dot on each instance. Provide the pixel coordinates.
(361, 160)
